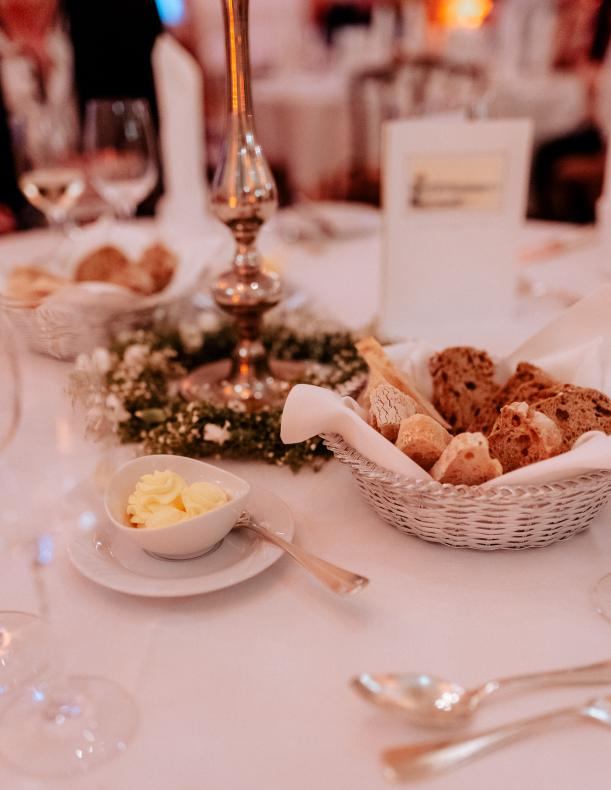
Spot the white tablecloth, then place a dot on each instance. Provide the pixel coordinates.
(247, 687)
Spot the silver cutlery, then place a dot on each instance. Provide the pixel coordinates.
(434, 702)
(423, 759)
(337, 579)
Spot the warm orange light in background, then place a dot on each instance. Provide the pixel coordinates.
(462, 13)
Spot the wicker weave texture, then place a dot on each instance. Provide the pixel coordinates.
(502, 517)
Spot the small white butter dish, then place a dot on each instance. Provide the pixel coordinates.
(187, 539)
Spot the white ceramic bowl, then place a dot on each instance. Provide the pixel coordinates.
(187, 539)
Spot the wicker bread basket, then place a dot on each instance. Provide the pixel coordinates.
(474, 517)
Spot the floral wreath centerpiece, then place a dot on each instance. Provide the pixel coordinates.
(131, 391)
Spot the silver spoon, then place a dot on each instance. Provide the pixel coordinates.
(423, 759)
(434, 702)
(335, 578)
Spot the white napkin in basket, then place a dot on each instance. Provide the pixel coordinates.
(576, 348)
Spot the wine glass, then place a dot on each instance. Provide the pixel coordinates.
(120, 148)
(53, 725)
(49, 169)
(601, 595)
(19, 642)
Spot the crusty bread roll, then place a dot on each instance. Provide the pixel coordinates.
(521, 435)
(380, 365)
(159, 263)
(422, 439)
(374, 379)
(524, 384)
(576, 410)
(30, 284)
(466, 460)
(105, 264)
(389, 407)
(463, 383)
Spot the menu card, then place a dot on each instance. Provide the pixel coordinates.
(454, 197)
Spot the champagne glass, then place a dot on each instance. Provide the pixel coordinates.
(49, 168)
(53, 725)
(120, 149)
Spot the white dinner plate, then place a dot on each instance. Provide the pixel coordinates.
(114, 561)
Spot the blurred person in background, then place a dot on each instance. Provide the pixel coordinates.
(332, 15)
(55, 55)
(568, 172)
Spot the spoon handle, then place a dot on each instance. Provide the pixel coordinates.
(337, 579)
(422, 759)
(591, 674)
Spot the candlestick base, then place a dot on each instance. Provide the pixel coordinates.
(248, 390)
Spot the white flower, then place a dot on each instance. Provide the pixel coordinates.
(216, 434)
(136, 354)
(191, 335)
(115, 410)
(102, 360)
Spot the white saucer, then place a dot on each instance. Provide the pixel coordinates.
(114, 561)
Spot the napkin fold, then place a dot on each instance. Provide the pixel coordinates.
(180, 96)
(311, 410)
(575, 348)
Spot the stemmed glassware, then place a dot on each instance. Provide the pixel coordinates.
(119, 145)
(18, 643)
(601, 595)
(49, 168)
(52, 725)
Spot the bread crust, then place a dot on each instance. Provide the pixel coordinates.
(389, 407)
(576, 410)
(525, 384)
(422, 439)
(521, 436)
(380, 365)
(463, 384)
(466, 461)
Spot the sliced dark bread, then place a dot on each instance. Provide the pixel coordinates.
(576, 410)
(521, 435)
(523, 385)
(463, 384)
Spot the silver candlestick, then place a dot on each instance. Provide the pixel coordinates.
(243, 197)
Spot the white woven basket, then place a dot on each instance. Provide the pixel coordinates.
(500, 517)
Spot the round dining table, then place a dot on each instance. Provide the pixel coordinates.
(248, 687)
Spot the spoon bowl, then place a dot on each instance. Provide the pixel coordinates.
(434, 702)
(424, 698)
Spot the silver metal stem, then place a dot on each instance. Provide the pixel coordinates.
(244, 197)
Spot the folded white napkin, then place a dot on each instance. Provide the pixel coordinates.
(180, 96)
(575, 348)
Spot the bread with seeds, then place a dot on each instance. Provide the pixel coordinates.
(463, 384)
(576, 410)
(523, 385)
(521, 436)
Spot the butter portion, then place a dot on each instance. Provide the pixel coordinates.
(162, 499)
(201, 498)
(153, 491)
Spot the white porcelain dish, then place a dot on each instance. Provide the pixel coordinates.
(187, 539)
(108, 558)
